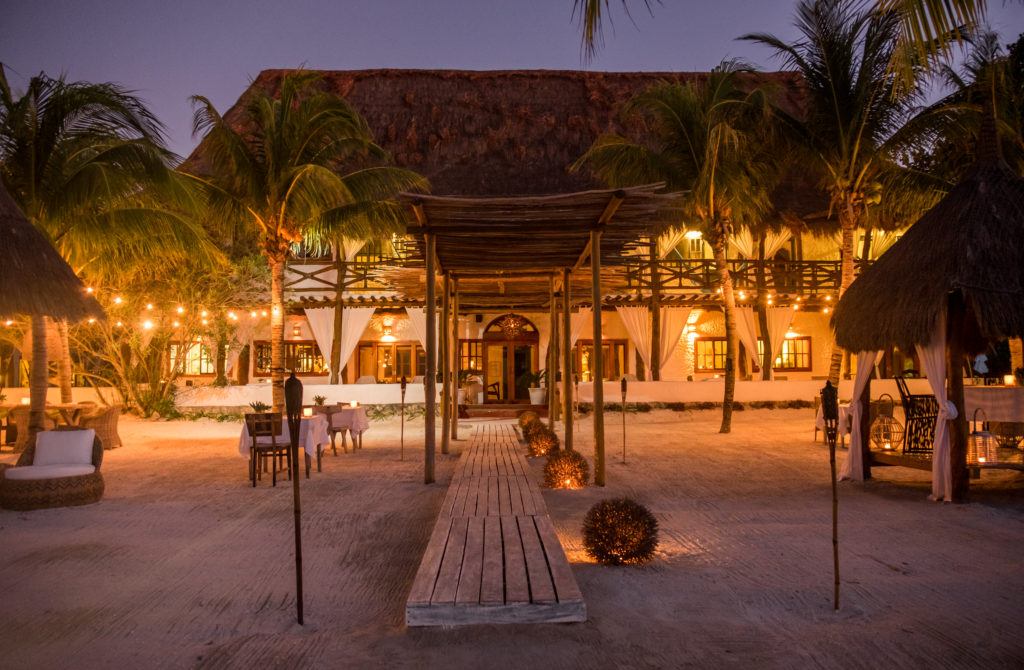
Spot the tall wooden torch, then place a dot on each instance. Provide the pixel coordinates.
(293, 406)
(623, 384)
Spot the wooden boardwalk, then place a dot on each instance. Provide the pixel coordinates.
(493, 556)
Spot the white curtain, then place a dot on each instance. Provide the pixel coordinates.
(746, 329)
(351, 247)
(853, 467)
(746, 245)
(779, 320)
(933, 359)
(418, 321)
(579, 319)
(352, 326)
(321, 322)
(669, 241)
(637, 320)
(673, 321)
(243, 336)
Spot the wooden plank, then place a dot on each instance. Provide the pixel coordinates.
(451, 565)
(566, 588)
(492, 496)
(472, 564)
(492, 583)
(426, 575)
(525, 496)
(517, 585)
(458, 509)
(541, 588)
(514, 613)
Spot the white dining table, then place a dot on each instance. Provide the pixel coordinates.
(347, 419)
(312, 435)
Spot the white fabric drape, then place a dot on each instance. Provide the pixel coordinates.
(321, 323)
(746, 329)
(579, 319)
(673, 321)
(352, 326)
(243, 336)
(746, 245)
(669, 241)
(418, 321)
(779, 320)
(933, 359)
(351, 247)
(853, 467)
(637, 320)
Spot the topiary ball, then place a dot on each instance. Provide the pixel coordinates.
(566, 469)
(542, 440)
(528, 417)
(620, 530)
(531, 428)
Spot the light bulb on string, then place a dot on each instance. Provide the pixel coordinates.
(180, 310)
(149, 306)
(118, 300)
(147, 325)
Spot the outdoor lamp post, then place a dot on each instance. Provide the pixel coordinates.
(401, 452)
(293, 406)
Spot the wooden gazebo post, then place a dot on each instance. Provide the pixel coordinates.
(430, 378)
(596, 361)
(655, 312)
(552, 360)
(567, 417)
(446, 368)
(456, 359)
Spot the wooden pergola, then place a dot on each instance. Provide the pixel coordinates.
(520, 252)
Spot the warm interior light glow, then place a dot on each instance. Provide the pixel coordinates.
(205, 322)
(387, 336)
(263, 313)
(1009, 380)
(232, 316)
(9, 323)
(796, 306)
(92, 320)
(253, 314)
(693, 235)
(790, 334)
(743, 296)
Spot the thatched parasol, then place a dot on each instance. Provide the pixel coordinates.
(34, 279)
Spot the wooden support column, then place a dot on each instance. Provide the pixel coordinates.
(865, 426)
(567, 417)
(596, 362)
(456, 359)
(430, 378)
(655, 313)
(552, 360)
(446, 367)
(958, 430)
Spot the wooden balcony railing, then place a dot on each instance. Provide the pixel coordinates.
(701, 275)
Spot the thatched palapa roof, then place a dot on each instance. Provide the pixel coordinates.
(34, 279)
(971, 242)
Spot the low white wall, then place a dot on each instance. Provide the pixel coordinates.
(78, 394)
(241, 396)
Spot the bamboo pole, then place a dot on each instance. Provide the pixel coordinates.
(567, 415)
(596, 361)
(456, 359)
(552, 360)
(655, 313)
(430, 378)
(446, 358)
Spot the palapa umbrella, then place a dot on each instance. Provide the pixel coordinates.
(35, 281)
(957, 274)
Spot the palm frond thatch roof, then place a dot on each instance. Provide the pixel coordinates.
(971, 242)
(34, 279)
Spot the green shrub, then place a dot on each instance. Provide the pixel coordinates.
(566, 469)
(620, 531)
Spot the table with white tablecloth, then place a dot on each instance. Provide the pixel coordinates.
(313, 434)
(347, 419)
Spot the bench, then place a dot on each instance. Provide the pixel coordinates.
(493, 555)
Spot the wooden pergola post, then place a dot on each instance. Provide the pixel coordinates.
(430, 378)
(456, 359)
(552, 359)
(567, 417)
(596, 362)
(655, 313)
(446, 372)
(865, 425)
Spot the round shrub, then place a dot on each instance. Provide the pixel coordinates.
(620, 530)
(566, 469)
(531, 428)
(542, 440)
(528, 417)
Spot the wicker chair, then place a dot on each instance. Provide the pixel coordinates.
(920, 412)
(18, 418)
(104, 422)
(64, 491)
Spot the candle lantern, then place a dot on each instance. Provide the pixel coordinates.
(886, 432)
(307, 411)
(1009, 380)
(26, 401)
(981, 445)
(354, 403)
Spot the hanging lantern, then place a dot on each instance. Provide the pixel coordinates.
(886, 432)
(981, 445)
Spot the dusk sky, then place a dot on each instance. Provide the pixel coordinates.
(168, 51)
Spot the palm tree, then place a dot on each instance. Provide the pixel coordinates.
(279, 170)
(707, 138)
(856, 110)
(86, 165)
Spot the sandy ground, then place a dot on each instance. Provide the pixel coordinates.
(184, 565)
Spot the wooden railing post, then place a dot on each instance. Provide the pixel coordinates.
(596, 361)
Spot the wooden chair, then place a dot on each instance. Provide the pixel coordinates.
(494, 390)
(920, 413)
(264, 431)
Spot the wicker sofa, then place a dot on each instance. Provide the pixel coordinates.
(61, 469)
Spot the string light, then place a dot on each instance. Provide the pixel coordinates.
(828, 298)
(826, 310)
(118, 324)
(8, 323)
(253, 314)
(92, 320)
(180, 310)
(205, 322)
(149, 306)
(118, 300)
(204, 314)
(147, 325)
(89, 289)
(177, 324)
(263, 313)
(796, 307)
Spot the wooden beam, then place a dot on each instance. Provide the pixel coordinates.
(446, 372)
(430, 379)
(582, 258)
(552, 361)
(596, 360)
(567, 416)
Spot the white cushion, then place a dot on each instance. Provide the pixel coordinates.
(48, 471)
(64, 447)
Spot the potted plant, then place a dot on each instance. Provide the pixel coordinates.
(319, 400)
(466, 380)
(535, 383)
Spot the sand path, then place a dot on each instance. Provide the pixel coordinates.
(184, 565)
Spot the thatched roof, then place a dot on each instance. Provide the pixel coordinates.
(971, 242)
(34, 279)
(509, 133)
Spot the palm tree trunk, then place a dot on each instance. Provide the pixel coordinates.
(762, 311)
(220, 359)
(731, 346)
(60, 329)
(339, 321)
(38, 378)
(848, 225)
(277, 332)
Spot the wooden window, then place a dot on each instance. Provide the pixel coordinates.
(302, 356)
(472, 356)
(794, 357)
(615, 361)
(388, 362)
(197, 359)
(709, 354)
